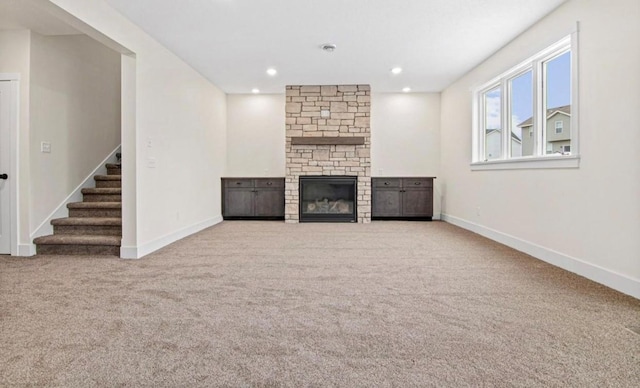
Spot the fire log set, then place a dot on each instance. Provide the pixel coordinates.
(327, 206)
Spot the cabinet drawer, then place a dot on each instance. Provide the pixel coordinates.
(270, 182)
(386, 182)
(238, 183)
(409, 183)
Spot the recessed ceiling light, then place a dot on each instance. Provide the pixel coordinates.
(406, 90)
(255, 90)
(396, 70)
(271, 71)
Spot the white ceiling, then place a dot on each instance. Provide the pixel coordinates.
(233, 42)
(21, 14)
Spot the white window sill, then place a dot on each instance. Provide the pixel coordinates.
(527, 163)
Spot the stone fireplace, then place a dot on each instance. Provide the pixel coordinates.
(328, 133)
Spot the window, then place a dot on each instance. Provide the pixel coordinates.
(525, 114)
(492, 124)
(557, 97)
(521, 109)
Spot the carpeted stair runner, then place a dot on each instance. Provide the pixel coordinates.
(94, 226)
(95, 209)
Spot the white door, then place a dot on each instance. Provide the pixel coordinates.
(5, 164)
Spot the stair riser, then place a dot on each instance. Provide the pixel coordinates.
(114, 171)
(108, 184)
(87, 250)
(94, 230)
(95, 213)
(102, 198)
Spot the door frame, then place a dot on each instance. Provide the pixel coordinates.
(14, 181)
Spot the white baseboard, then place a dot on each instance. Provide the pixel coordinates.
(618, 282)
(45, 228)
(26, 250)
(152, 246)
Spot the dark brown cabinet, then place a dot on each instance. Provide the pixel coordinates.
(402, 198)
(247, 198)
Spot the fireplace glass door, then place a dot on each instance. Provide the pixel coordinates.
(328, 199)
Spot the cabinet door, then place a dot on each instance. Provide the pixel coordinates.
(417, 203)
(386, 202)
(269, 203)
(239, 202)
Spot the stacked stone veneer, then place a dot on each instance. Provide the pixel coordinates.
(349, 112)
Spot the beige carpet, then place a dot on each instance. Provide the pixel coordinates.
(268, 304)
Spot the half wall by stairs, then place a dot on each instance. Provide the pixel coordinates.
(94, 226)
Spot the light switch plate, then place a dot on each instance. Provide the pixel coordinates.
(45, 147)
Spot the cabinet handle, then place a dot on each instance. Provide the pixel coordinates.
(416, 183)
(386, 183)
(269, 183)
(238, 183)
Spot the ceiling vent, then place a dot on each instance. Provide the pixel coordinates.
(329, 47)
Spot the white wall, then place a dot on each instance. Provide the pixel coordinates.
(15, 46)
(180, 135)
(587, 219)
(75, 106)
(405, 134)
(255, 135)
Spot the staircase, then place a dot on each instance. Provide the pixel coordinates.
(94, 226)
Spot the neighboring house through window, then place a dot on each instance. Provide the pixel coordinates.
(555, 135)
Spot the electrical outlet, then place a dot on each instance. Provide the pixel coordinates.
(151, 162)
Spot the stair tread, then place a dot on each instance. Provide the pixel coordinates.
(113, 165)
(107, 177)
(102, 190)
(71, 239)
(103, 221)
(94, 205)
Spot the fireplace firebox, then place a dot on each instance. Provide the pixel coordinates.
(328, 199)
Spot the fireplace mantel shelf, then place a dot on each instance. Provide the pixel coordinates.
(327, 140)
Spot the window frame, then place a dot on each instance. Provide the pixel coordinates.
(539, 159)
